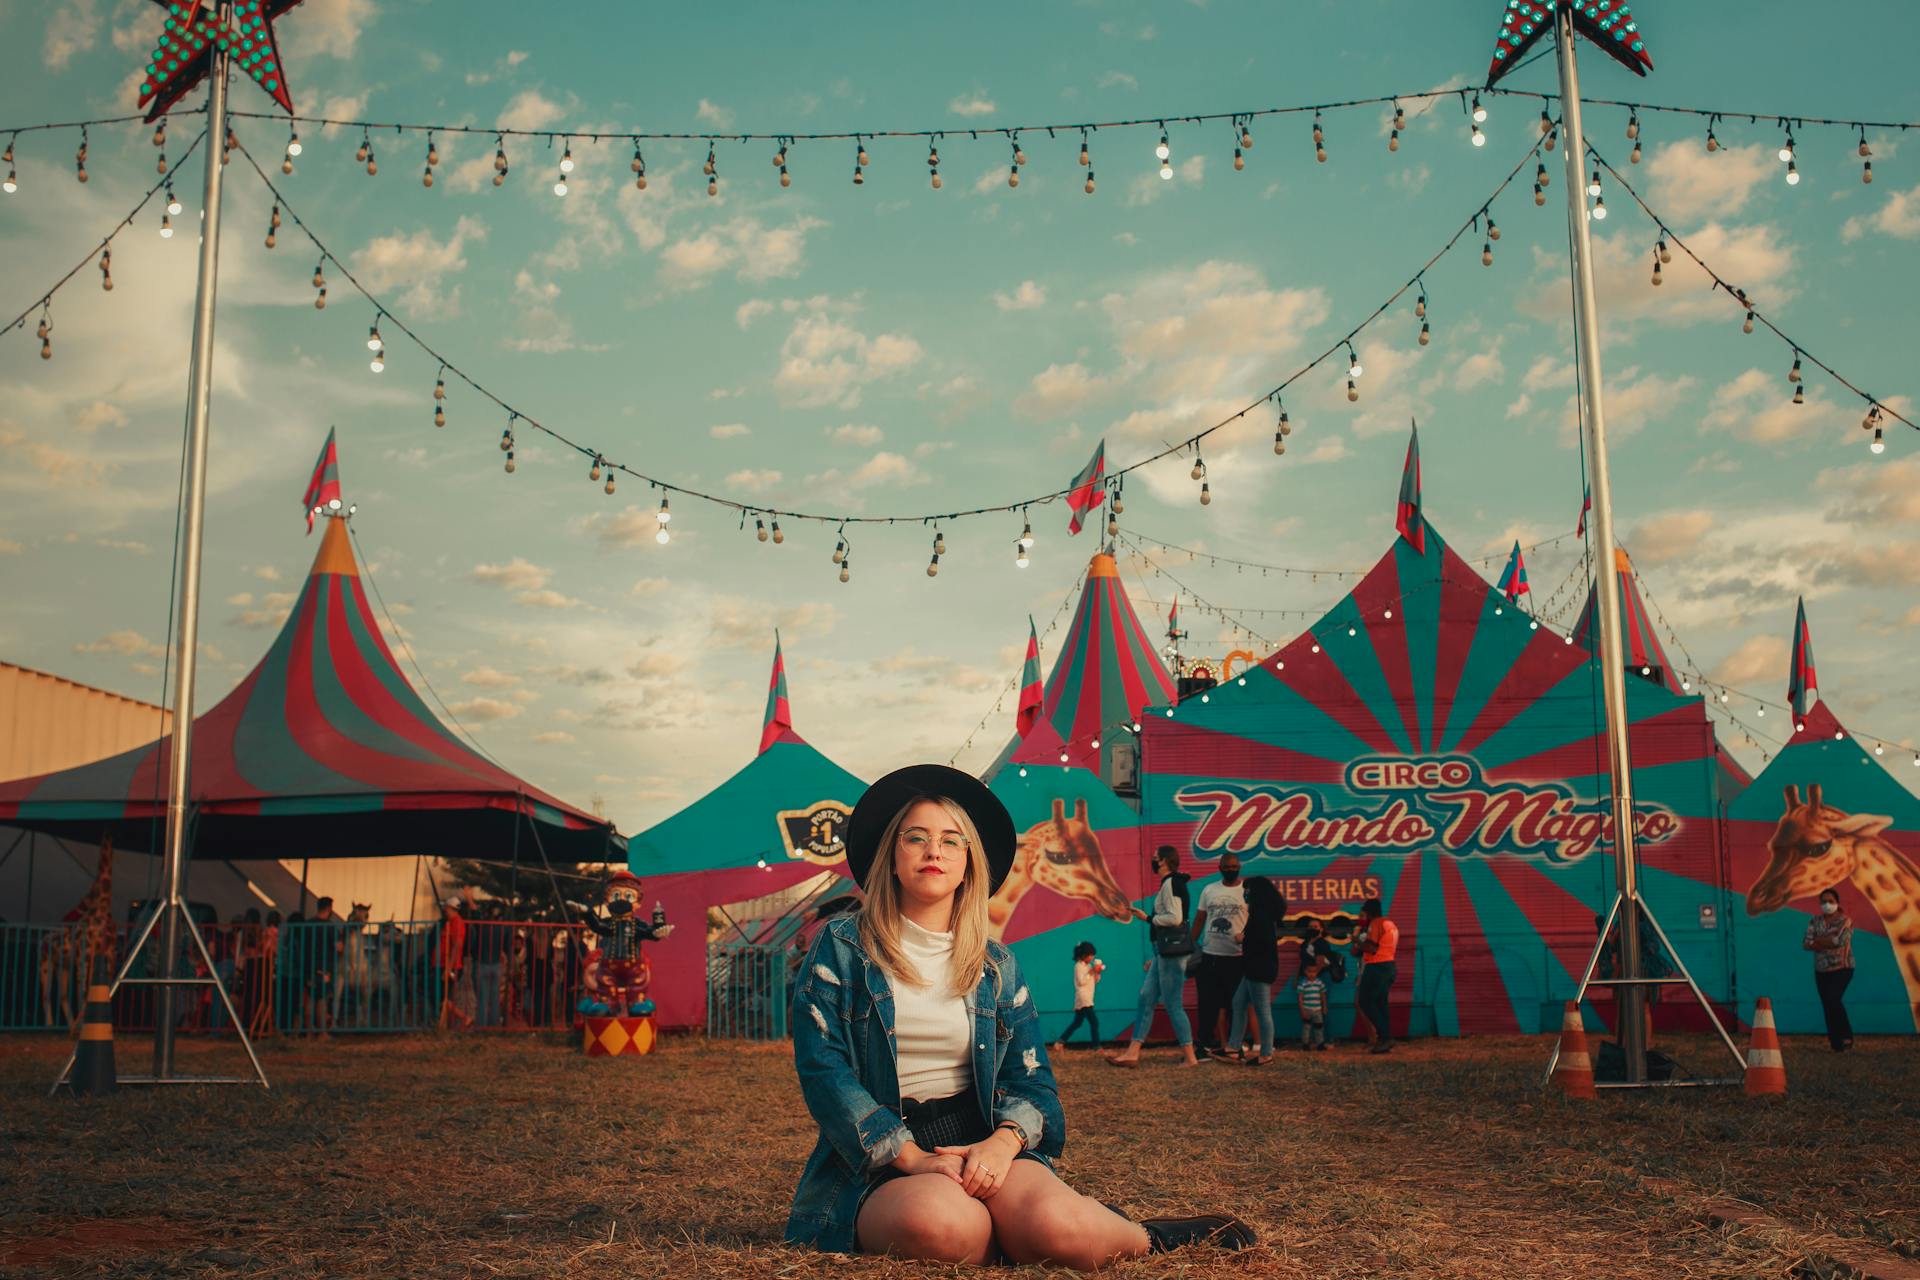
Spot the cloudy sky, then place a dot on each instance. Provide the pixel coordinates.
(891, 349)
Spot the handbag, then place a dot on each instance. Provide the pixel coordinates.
(1171, 940)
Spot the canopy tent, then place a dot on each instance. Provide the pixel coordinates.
(1428, 743)
(1824, 815)
(775, 823)
(1640, 644)
(1105, 672)
(323, 750)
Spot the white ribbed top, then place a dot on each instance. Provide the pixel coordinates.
(932, 1030)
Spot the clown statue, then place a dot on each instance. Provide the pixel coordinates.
(617, 980)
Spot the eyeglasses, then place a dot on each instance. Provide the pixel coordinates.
(917, 841)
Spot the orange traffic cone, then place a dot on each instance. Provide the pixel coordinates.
(93, 1071)
(1574, 1070)
(1766, 1071)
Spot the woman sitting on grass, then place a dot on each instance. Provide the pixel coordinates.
(920, 1057)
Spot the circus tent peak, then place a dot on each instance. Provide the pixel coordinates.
(1643, 654)
(1105, 673)
(776, 724)
(324, 750)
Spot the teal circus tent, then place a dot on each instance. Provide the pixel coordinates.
(778, 821)
(323, 750)
(1105, 672)
(1428, 743)
(1824, 815)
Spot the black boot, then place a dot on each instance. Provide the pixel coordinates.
(1217, 1229)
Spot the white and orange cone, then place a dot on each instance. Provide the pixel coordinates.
(1766, 1070)
(1574, 1069)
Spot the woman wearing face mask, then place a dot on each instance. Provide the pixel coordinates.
(919, 1055)
(1830, 938)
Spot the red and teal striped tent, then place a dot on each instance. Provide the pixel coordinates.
(1641, 648)
(323, 750)
(1825, 814)
(1428, 743)
(1105, 672)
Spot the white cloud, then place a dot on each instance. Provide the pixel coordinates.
(71, 28)
(484, 677)
(331, 27)
(128, 644)
(753, 480)
(1898, 217)
(1057, 390)
(649, 587)
(714, 114)
(8, 547)
(976, 103)
(1118, 80)
(59, 465)
(271, 612)
(421, 264)
(518, 574)
(552, 736)
(1150, 186)
(530, 109)
(1666, 538)
(746, 246)
(1688, 182)
(1762, 660)
(826, 361)
(548, 599)
(750, 310)
(1758, 406)
(730, 431)
(1327, 449)
(851, 433)
(483, 710)
(1027, 297)
(1755, 256)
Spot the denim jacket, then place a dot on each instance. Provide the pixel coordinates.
(844, 1052)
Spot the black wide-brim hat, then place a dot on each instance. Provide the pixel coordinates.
(902, 787)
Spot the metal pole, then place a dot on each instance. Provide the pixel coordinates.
(199, 393)
(1613, 672)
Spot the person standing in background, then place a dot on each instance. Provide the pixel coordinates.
(1378, 943)
(1311, 992)
(1166, 971)
(453, 958)
(1830, 938)
(1087, 968)
(1218, 923)
(1260, 969)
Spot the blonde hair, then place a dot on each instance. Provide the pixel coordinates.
(880, 917)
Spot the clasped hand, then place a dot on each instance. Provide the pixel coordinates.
(980, 1168)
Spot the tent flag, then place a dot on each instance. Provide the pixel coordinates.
(1030, 694)
(324, 488)
(1803, 684)
(777, 725)
(1513, 580)
(1173, 616)
(1407, 517)
(1586, 505)
(1084, 494)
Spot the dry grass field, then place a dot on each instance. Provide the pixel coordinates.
(446, 1156)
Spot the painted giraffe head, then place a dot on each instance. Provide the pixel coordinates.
(362, 911)
(1815, 847)
(1063, 855)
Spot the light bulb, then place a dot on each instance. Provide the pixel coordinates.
(293, 145)
(560, 187)
(1089, 182)
(1162, 151)
(1879, 444)
(1085, 159)
(861, 157)
(1020, 554)
(373, 338)
(1353, 391)
(1493, 228)
(173, 202)
(1479, 138)
(1793, 174)
(378, 362)
(778, 537)
(1199, 468)
(663, 516)
(1426, 334)
(1393, 140)
(1013, 176)
(1786, 150)
(1479, 112)
(1166, 172)
(166, 222)
(1593, 184)
(439, 416)
(1239, 161)
(839, 550)
(1793, 374)
(509, 466)
(845, 573)
(933, 567)
(1353, 365)
(1713, 143)
(662, 537)
(1748, 326)
(939, 543)
(760, 529)
(1666, 254)
(1026, 532)
(1866, 172)
(566, 161)
(1206, 495)
(1600, 209)
(1486, 254)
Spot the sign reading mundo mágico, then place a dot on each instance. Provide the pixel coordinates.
(1408, 804)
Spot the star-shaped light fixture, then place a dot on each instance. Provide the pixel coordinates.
(1608, 23)
(193, 31)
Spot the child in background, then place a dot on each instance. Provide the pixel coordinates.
(1313, 1006)
(1087, 968)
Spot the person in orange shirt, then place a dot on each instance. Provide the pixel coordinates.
(1377, 944)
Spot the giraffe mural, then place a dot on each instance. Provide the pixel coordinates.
(1817, 847)
(67, 954)
(1061, 854)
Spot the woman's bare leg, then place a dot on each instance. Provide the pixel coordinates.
(1038, 1218)
(926, 1215)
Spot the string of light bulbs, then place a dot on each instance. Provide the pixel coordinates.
(1693, 673)
(104, 252)
(1877, 409)
(601, 464)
